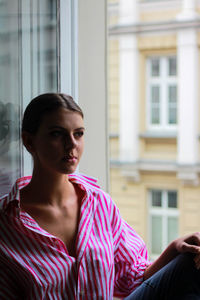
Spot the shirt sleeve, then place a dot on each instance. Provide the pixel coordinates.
(130, 256)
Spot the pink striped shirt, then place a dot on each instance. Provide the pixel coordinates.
(110, 256)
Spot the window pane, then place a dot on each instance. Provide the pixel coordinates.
(156, 198)
(9, 96)
(172, 92)
(172, 104)
(155, 104)
(172, 115)
(172, 199)
(155, 116)
(172, 66)
(156, 241)
(155, 94)
(172, 228)
(155, 67)
(27, 67)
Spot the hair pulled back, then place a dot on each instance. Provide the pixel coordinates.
(44, 104)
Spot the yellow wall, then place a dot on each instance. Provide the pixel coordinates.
(165, 149)
(130, 198)
(190, 209)
(158, 16)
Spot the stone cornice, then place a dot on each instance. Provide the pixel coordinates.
(150, 27)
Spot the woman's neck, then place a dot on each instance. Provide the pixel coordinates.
(52, 189)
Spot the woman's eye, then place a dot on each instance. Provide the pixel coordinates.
(79, 134)
(55, 133)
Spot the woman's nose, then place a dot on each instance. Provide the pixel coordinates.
(69, 142)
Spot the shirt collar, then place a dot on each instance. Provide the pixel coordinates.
(10, 203)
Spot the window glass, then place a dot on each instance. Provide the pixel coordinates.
(156, 235)
(155, 106)
(156, 198)
(172, 199)
(172, 66)
(162, 98)
(172, 109)
(28, 66)
(163, 220)
(9, 95)
(155, 67)
(172, 229)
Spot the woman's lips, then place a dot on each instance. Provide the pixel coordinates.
(70, 159)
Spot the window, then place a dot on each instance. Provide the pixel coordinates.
(46, 46)
(163, 220)
(28, 66)
(161, 92)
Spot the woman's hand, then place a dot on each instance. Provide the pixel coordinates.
(189, 243)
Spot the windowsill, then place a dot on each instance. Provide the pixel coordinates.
(158, 135)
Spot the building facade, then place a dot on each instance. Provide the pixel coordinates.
(153, 92)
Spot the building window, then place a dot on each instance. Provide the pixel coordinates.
(161, 92)
(163, 220)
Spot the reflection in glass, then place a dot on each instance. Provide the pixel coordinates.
(9, 95)
(28, 66)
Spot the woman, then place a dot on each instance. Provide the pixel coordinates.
(62, 237)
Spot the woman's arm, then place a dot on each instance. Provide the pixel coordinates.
(189, 243)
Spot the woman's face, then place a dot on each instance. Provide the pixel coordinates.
(58, 144)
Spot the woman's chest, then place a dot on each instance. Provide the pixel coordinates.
(62, 224)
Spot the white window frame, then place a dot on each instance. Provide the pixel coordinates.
(68, 35)
(164, 211)
(92, 90)
(163, 82)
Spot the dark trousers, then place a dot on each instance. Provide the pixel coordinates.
(178, 280)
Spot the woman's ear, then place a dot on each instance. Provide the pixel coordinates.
(27, 139)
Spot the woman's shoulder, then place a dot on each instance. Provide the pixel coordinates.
(13, 193)
(90, 184)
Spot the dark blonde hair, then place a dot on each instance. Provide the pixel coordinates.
(44, 104)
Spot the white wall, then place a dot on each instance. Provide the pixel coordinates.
(92, 35)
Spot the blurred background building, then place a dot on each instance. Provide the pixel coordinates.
(154, 115)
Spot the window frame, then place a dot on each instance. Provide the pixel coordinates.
(163, 81)
(164, 212)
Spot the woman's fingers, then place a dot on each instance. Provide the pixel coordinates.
(197, 261)
(189, 243)
(186, 247)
